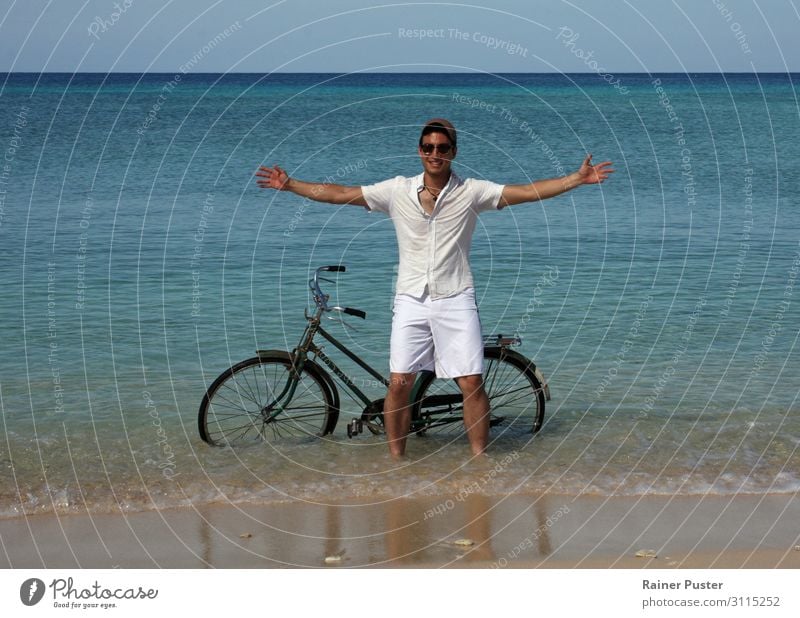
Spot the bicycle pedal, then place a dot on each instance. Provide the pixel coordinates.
(354, 427)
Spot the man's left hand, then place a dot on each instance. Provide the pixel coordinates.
(594, 174)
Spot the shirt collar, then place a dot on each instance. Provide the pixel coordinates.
(452, 181)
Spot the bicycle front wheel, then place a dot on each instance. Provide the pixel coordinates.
(516, 396)
(259, 399)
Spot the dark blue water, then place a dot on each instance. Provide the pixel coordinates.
(139, 259)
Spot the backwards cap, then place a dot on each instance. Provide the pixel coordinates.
(440, 123)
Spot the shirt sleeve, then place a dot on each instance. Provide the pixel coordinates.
(379, 195)
(487, 194)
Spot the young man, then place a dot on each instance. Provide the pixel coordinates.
(435, 320)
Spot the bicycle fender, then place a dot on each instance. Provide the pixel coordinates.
(273, 353)
(536, 371)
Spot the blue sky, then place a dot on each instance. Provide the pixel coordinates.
(356, 35)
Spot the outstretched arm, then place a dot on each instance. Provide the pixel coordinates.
(542, 189)
(276, 178)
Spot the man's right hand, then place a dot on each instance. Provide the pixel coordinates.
(276, 178)
(272, 178)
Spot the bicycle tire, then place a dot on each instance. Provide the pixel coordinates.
(231, 411)
(516, 396)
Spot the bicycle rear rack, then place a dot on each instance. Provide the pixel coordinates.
(501, 341)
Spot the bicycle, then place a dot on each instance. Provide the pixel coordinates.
(278, 394)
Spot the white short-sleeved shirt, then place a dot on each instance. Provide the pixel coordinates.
(434, 249)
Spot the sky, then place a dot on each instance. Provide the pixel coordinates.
(219, 36)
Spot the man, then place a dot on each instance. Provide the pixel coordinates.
(435, 320)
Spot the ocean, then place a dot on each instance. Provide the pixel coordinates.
(140, 259)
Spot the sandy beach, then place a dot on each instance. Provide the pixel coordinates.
(516, 531)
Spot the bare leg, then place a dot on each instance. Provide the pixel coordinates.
(476, 412)
(397, 411)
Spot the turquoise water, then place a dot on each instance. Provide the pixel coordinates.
(139, 260)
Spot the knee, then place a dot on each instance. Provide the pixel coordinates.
(470, 385)
(401, 384)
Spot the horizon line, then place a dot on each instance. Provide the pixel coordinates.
(399, 72)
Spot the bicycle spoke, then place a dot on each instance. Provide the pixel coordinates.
(296, 417)
(231, 404)
(236, 433)
(243, 374)
(526, 389)
(236, 389)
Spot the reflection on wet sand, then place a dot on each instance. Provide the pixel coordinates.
(464, 532)
(474, 530)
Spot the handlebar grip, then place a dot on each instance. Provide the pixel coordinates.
(337, 268)
(356, 312)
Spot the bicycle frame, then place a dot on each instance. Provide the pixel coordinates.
(308, 346)
(313, 348)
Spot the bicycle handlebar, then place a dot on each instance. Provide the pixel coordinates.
(356, 312)
(321, 299)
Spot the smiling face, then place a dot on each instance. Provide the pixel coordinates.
(435, 162)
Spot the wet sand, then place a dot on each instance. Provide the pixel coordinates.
(516, 531)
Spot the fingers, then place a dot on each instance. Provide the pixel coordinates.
(597, 166)
(269, 177)
(265, 180)
(601, 170)
(596, 173)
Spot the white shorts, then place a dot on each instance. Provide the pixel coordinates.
(443, 334)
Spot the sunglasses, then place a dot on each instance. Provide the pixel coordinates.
(427, 149)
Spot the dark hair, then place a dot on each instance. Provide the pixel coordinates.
(437, 126)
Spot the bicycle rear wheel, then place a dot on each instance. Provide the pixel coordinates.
(516, 396)
(239, 406)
